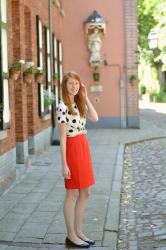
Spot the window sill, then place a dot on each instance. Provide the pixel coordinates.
(3, 134)
(46, 117)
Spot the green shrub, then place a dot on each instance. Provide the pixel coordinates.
(161, 97)
(143, 89)
(153, 96)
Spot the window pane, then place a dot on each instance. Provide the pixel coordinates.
(55, 48)
(60, 52)
(41, 60)
(49, 90)
(48, 41)
(40, 34)
(56, 67)
(6, 109)
(3, 11)
(42, 98)
(61, 72)
(4, 51)
(56, 95)
(48, 69)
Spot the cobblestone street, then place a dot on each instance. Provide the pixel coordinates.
(143, 198)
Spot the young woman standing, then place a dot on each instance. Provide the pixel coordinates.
(77, 168)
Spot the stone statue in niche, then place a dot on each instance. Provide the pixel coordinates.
(94, 45)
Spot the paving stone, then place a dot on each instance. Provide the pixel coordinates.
(110, 239)
(3, 247)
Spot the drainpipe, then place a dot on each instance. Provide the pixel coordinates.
(53, 140)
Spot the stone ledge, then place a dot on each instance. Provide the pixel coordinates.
(3, 134)
(46, 117)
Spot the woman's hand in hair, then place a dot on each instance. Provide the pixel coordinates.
(84, 90)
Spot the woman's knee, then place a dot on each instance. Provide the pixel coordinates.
(72, 194)
(84, 193)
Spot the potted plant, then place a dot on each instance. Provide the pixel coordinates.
(29, 72)
(55, 78)
(15, 70)
(96, 76)
(133, 79)
(39, 74)
(49, 98)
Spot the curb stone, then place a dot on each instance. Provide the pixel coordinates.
(112, 220)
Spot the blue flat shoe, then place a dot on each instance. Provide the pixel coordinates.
(90, 242)
(69, 243)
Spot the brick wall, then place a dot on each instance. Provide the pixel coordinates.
(131, 37)
(25, 120)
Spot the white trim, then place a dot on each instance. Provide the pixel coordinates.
(48, 69)
(40, 34)
(3, 11)
(49, 90)
(6, 110)
(41, 59)
(48, 41)
(56, 96)
(61, 73)
(46, 117)
(42, 97)
(4, 51)
(60, 51)
(3, 134)
(55, 47)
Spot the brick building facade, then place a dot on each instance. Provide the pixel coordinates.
(25, 121)
(35, 31)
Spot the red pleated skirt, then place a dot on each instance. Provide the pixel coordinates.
(79, 162)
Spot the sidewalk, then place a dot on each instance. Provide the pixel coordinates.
(31, 215)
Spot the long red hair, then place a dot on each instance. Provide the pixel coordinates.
(79, 98)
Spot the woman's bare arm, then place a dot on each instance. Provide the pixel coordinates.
(65, 169)
(91, 112)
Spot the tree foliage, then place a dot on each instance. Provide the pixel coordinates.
(152, 15)
(147, 19)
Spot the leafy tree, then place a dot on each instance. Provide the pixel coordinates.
(151, 15)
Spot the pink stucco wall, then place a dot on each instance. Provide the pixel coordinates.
(77, 55)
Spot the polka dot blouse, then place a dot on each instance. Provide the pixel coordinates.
(75, 124)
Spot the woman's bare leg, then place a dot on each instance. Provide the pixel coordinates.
(69, 208)
(79, 211)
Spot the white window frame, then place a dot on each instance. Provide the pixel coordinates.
(48, 57)
(55, 67)
(39, 27)
(4, 75)
(60, 53)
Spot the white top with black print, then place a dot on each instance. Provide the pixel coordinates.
(75, 124)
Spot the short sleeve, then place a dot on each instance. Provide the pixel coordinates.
(61, 113)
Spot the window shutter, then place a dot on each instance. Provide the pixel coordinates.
(4, 85)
